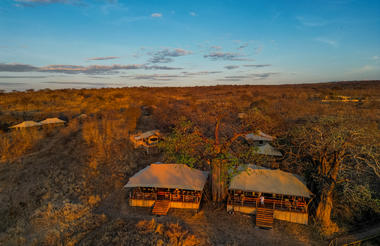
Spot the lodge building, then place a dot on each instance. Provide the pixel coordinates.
(270, 194)
(165, 186)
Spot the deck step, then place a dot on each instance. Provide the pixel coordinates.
(264, 217)
(161, 207)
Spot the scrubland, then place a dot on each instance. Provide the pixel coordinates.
(63, 185)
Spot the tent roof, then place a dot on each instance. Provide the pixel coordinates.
(173, 176)
(147, 134)
(260, 179)
(51, 121)
(28, 123)
(260, 136)
(268, 149)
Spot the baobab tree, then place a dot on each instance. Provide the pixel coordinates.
(220, 154)
(327, 148)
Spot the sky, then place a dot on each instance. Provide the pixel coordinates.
(116, 43)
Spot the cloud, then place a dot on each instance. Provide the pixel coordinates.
(22, 77)
(228, 56)
(161, 68)
(82, 83)
(375, 58)
(230, 67)
(165, 55)
(193, 14)
(201, 73)
(251, 76)
(10, 84)
(16, 67)
(367, 68)
(31, 3)
(75, 69)
(327, 41)
(103, 58)
(156, 15)
(257, 65)
(158, 77)
(215, 47)
(245, 45)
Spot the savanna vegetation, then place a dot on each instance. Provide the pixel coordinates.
(63, 185)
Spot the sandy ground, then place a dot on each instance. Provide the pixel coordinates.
(214, 226)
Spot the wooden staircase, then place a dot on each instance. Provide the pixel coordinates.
(264, 217)
(161, 207)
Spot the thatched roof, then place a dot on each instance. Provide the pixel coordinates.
(24, 124)
(52, 121)
(173, 176)
(260, 179)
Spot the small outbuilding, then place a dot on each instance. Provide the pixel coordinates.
(146, 139)
(52, 121)
(262, 142)
(282, 194)
(165, 186)
(26, 124)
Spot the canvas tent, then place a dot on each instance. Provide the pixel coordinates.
(165, 186)
(268, 149)
(284, 194)
(172, 176)
(52, 121)
(260, 179)
(26, 124)
(259, 136)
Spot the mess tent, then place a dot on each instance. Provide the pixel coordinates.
(259, 187)
(146, 139)
(167, 186)
(26, 124)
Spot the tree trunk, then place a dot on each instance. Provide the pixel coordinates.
(329, 169)
(218, 181)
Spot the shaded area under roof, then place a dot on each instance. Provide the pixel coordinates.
(173, 176)
(260, 179)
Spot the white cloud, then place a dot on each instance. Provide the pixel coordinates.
(375, 58)
(156, 15)
(327, 41)
(193, 14)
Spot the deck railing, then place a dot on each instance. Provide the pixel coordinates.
(285, 205)
(162, 195)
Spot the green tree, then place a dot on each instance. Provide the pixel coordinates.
(188, 145)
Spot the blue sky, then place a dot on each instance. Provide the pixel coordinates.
(101, 43)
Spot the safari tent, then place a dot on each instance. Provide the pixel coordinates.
(146, 139)
(268, 149)
(52, 121)
(26, 124)
(285, 194)
(262, 142)
(259, 136)
(165, 186)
